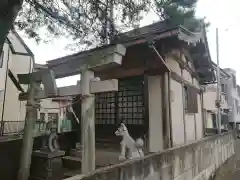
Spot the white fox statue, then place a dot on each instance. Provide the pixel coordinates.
(134, 147)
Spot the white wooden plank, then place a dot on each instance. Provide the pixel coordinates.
(104, 86)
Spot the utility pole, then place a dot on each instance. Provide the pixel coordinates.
(218, 103)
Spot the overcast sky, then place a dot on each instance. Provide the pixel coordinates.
(223, 14)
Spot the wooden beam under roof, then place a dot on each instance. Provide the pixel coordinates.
(95, 87)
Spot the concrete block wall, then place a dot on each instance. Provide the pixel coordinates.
(195, 161)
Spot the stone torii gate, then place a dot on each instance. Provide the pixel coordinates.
(85, 63)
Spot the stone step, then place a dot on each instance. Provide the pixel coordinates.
(71, 162)
(104, 157)
(76, 153)
(70, 173)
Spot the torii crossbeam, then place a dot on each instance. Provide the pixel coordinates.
(85, 63)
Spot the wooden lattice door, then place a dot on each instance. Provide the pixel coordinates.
(126, 104)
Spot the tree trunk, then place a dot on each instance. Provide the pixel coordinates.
(8, 12)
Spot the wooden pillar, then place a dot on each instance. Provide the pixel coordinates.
(167, 110)
(203, 113)
(28, 136)
(87, 123)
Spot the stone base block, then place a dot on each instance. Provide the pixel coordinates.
(47, 165)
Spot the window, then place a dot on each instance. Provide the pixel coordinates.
(52, 121)
(185, 98)
(126, 104)
(214, 120)
(53, 117)
(223, 88)
(190, 98)
(42, 116)
(236, 106)
(1, 59)
(234, 81)
(1, 95)
(238, 90)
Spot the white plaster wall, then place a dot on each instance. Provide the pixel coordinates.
(155, 114)
(232, 95)
(187, 76)
(209, 122)
(190, 127)
(196, 83)
(177, 113)
(236, 97)
(3, 75)
(22, 64)
(173, 64)
(16, 43)
(45, 105)
(209, 99)
(14, 110)
(3, 69)
(11, 101)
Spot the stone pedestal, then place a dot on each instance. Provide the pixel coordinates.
(47, 165)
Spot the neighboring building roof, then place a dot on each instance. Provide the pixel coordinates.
(39, 66)
(230, 71)
(222, 71)
(13, 47)
(65, 98)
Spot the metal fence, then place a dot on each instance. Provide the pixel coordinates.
(12, 127)
(17, 127)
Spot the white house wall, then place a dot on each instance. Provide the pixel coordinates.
(48, 106)
(210, 97)
(18, 47)
(3, 75)
(232, 96)
(12, 107)
(22, 64)
(4, 66)
(14, 110)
